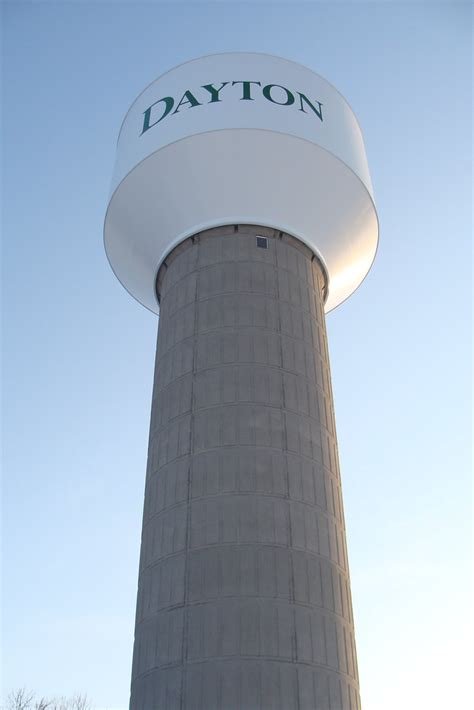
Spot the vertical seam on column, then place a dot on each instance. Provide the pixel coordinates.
(188, 512)
(278, 241)
(328, 683)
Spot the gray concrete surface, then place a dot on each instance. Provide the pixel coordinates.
(244, 600)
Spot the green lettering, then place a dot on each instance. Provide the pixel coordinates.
(214, 92)
(317, 111)
(187, 98)
(267, 92)
(169, 103)
(246, 89)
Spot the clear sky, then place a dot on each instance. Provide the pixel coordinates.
(79, 352)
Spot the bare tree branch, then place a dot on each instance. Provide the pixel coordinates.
(43, 704)
(23, 699)
(20, 699)
(80, 702)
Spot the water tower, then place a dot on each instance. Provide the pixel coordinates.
(242, 212)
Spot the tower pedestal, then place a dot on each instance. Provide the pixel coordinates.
(243, 598)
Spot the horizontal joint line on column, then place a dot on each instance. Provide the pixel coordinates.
(246, 543)
(329, 613)
(261, 658)
(245, 494)
(247, 446)
(240, 326)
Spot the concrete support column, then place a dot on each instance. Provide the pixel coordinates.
(243, 598)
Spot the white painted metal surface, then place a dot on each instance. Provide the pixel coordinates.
(240, 138)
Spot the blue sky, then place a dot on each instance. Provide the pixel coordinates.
(78, 351)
